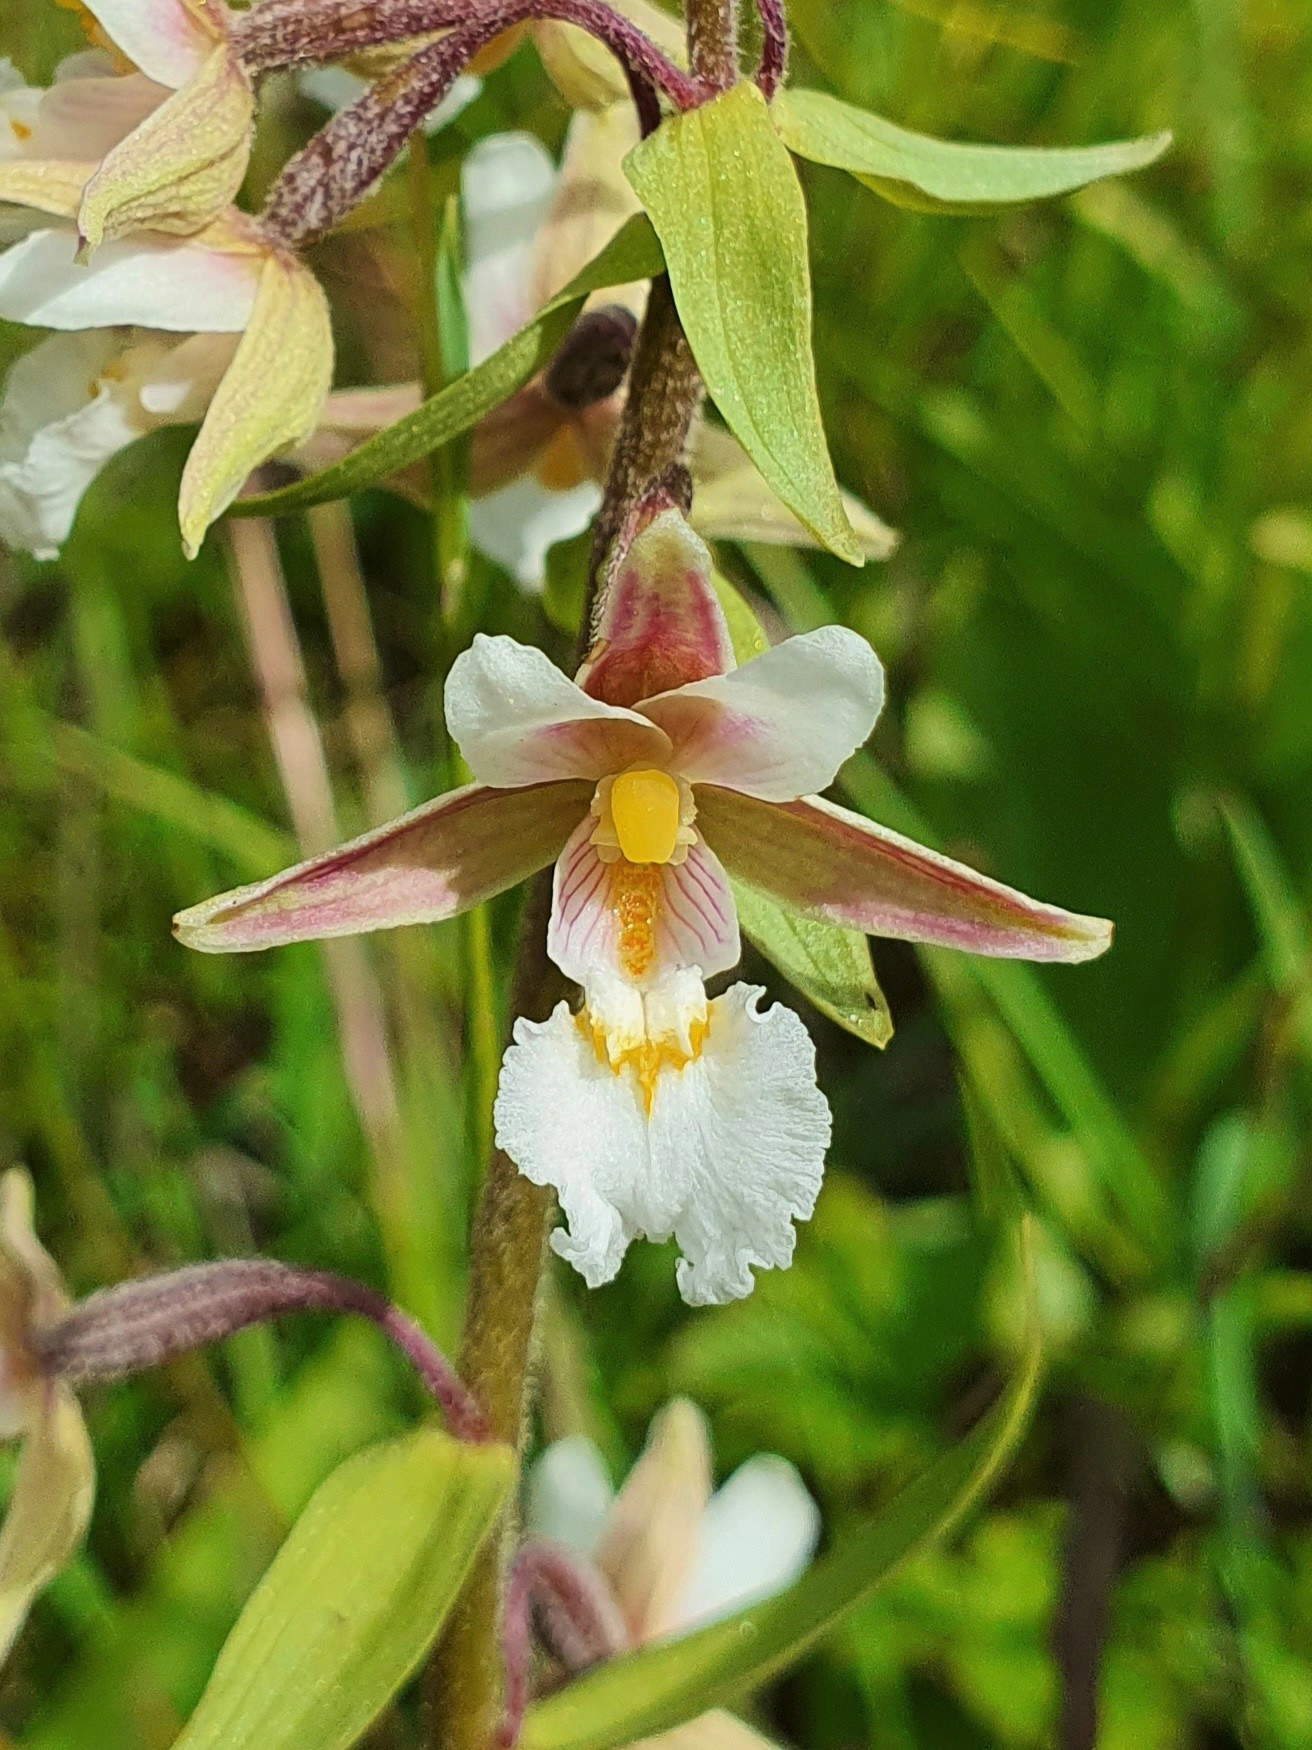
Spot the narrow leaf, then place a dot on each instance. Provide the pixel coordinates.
(662, 1686)
(632, 254)
(726, 203)
(831, 966)
(354, 1598)
(913, 170)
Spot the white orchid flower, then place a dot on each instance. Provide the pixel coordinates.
(74, 401)
(673, 1554)
(650, 780)
(163, 147)
(50, 1507)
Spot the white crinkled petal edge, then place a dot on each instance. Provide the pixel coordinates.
(731, 1155)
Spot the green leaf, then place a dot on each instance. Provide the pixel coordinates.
(661, 1686)
(632, 254)
(354, 1598)
(831, 966)
(913, 170)
(726, 203)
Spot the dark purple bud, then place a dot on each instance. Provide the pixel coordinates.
(137, 1325)
(577, 1619)
(590, 362)
(774, 49)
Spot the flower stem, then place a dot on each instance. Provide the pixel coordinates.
(508, 1241)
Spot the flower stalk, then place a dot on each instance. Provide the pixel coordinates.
(508, 1242)
(134, 1326)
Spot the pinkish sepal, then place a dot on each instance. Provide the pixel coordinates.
(824, 862)
(660, 624)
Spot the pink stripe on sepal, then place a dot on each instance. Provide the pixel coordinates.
(431, 864)
(820, 860)
(660, 624)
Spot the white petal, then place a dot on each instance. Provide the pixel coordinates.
(516, 525)
(163, 37)
(148, 282)
(569, 1495)
(758, 1534)
(45, 471)
(19, 105)
(694, 922)
(507, 182)
(518, 720)
(84, 118)
(732, 1154)
(781, 725)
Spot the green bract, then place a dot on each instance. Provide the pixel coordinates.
(722, 193)
(354, 1598)
(913, 170)
(632, 254)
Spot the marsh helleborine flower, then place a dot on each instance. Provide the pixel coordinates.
(650, 780)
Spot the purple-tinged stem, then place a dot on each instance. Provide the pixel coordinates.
(774, 50)
(137, 1325)
(279, 34)
(329, 176)
(579, 1621)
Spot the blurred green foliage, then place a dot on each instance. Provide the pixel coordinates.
(1093, 421)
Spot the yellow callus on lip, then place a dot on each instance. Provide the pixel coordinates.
(644, 806)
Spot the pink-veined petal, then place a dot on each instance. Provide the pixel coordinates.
(820, 860)
(144, 282)
(167, 39)
(674, 915)
(518, 720)
(781, 725)
(660, 624)
(431, 864)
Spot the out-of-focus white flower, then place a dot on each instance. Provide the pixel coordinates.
(673, 1554)
(76, 400)
(649, 781)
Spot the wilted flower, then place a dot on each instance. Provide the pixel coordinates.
(668, 1554)
(658, 775)
(51, 1504)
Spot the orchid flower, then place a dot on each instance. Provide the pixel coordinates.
(649, 781)
(161, 148)
(50, 1507)
(671, 1554)
(257, 356)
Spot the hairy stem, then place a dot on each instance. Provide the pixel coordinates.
(713, 42)
(137, 1325)
(466, 1676)
(774, 49)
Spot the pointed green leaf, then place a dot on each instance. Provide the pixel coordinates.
(661, 1686)
(632, 254)
(354, 1598)
(913, 170)
(726, 203)
(831, 966)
